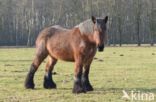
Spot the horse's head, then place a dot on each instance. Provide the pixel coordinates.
(99, 31)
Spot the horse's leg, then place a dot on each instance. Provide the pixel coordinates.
(85, 78)
(77, 77)
(41, 54)
(48, 81)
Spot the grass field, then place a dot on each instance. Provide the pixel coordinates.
(116, 69)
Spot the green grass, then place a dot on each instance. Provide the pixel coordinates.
(122, 68)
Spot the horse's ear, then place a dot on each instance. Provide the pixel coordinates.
(106, 19)
(93, 19)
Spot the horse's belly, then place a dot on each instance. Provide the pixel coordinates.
(65, 57)
(62, 54)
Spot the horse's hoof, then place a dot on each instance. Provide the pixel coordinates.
(78, 89)
(49, 85)
(88, 88)
(29, 86)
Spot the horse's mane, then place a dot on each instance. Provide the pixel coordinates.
(86, 27)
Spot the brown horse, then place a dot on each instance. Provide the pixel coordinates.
(78, 44)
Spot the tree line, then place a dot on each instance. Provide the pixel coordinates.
(130, 21)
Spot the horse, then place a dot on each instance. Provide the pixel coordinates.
(78, 45)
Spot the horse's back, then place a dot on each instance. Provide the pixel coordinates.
(58, 27)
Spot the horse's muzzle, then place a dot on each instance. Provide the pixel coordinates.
(101, 48)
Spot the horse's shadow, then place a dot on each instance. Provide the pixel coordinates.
(119, 90)
(114, 90)
(108, 90)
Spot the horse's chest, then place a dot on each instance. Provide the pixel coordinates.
(91, 52)
(87, 50)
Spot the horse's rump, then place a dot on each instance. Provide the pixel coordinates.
(49, 32)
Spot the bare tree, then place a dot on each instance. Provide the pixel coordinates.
(130, 21)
